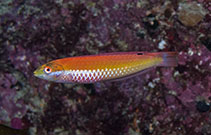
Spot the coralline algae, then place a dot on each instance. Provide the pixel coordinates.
(163, 101)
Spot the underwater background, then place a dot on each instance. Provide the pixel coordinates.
(164, 101)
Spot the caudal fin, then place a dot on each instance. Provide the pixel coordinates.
(169, 59)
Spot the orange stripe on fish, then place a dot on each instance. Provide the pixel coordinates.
(94, 68)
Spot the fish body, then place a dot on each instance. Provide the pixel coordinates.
(94, 68)
(5, 130)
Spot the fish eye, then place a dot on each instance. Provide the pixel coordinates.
(47, 70)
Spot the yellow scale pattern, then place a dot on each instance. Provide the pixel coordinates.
(110, 72)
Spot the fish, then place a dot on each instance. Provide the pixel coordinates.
(102, 67)
(5, 130)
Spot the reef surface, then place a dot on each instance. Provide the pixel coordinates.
(164, 101)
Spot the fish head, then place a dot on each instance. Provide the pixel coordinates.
(50, 71)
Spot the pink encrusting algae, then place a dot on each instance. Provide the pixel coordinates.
(165, 100)
(94, 68)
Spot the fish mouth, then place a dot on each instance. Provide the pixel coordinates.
(38, 72)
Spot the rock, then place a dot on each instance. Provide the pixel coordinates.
(190, 14)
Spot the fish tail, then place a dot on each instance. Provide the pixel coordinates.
(169, 58)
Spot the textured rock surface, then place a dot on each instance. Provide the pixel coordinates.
(163, 101)
(190, 14)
